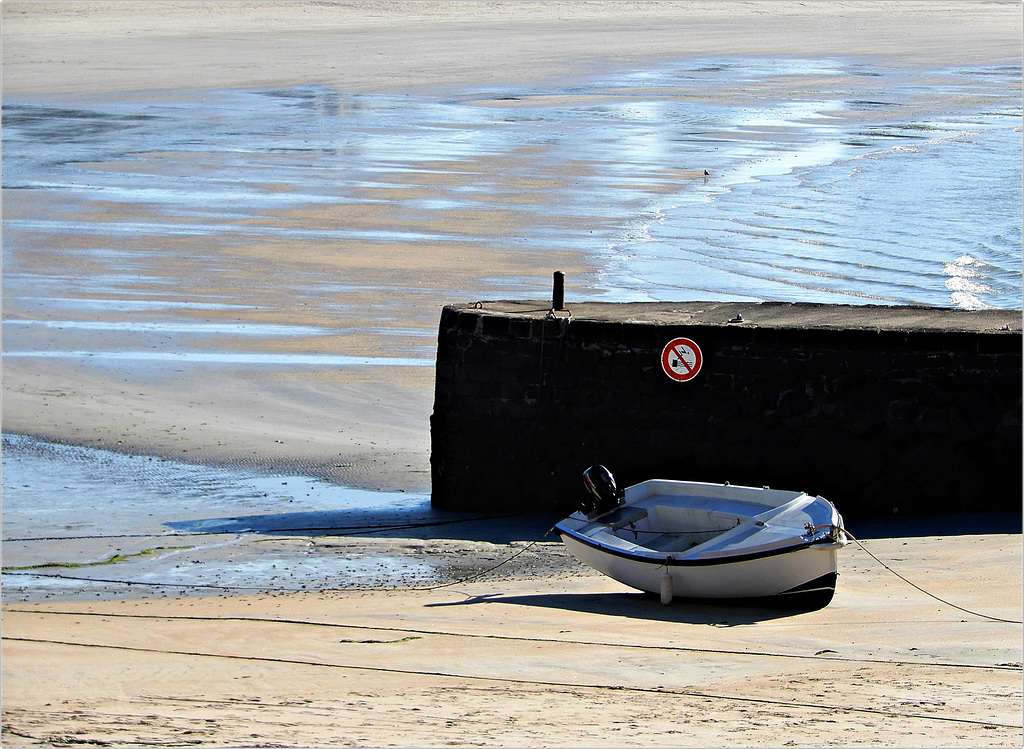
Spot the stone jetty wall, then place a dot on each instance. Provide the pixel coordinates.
(883, 410)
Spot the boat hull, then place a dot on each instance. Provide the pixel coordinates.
(712, 541)
(799, 576)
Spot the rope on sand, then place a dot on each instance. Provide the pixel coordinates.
(927, 593)
(478, 575)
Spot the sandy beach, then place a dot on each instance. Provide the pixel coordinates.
(562, 657)
(402, 46)
(540, 652)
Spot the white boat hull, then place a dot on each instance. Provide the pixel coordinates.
(710, 541)
(805, 574)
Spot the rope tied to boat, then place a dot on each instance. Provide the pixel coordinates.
(487, 571)
(833, 534)
(918, 587)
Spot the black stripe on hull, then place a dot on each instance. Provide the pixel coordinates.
(662, 561)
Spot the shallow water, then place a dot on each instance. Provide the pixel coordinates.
(929, 223)
(815, 193)
(65, 490)
(185, 528)
(199, 527)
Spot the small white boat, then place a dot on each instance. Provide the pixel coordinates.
(694, 540)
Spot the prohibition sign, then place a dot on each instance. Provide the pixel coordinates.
(681, 359)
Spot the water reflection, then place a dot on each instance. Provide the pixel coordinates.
(876, 192)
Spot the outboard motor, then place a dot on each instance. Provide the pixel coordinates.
(602, 494)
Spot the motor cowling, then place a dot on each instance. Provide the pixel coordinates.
(602, 493)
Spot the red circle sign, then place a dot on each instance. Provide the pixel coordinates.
(681, 359)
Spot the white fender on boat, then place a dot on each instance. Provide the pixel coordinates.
(666, 588)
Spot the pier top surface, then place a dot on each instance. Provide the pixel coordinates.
(768, 315)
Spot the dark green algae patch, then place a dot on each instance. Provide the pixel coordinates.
(113, 559)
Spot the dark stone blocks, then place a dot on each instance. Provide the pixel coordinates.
(917, 420)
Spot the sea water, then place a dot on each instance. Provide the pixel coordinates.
(899, 188)
(932, 221)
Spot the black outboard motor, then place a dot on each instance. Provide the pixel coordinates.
(602, 494)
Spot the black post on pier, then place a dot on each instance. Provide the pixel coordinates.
(558, 292)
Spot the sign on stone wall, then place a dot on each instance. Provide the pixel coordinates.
(681, 359)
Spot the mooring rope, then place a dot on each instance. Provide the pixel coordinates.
(487, 571)
(927, 593)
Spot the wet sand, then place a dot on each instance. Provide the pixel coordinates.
(882, 665)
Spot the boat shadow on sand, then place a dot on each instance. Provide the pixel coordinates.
(638, 605)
